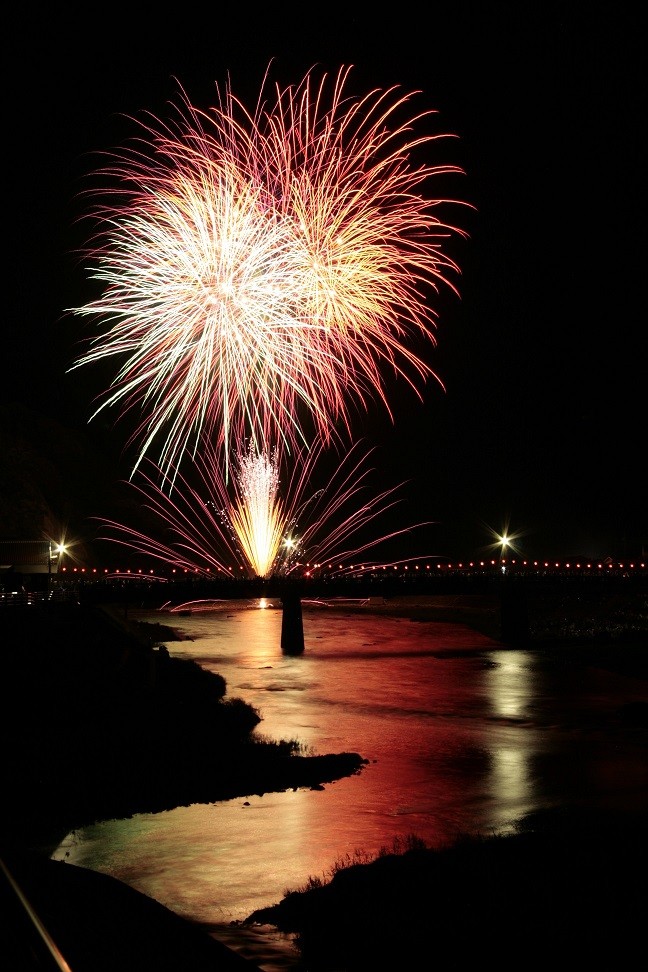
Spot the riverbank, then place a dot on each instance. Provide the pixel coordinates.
(103, 722)
(97, 924)
(100, 722)
(566, 891)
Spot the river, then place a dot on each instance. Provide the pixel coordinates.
(461, 734)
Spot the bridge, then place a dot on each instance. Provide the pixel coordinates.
(471, 577)
(512, 585)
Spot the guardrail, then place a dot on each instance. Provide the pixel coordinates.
(12, 600)
(40, 949)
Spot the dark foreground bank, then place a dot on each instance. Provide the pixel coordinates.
(569, 892)
(101, 722)
(96, 924)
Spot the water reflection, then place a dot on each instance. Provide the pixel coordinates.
(511, 683)
(462, 736)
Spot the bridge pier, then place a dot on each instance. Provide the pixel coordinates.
(292, 624)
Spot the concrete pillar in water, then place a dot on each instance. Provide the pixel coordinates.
(292, 625)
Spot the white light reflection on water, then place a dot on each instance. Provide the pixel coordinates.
(461, 736)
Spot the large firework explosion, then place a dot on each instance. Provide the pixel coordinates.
(259, 269)
(249, 525)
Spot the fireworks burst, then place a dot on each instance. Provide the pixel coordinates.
(254, 523)
(260, 266)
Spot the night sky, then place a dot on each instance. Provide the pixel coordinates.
(543, 356)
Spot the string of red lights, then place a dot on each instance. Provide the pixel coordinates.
(318, 570)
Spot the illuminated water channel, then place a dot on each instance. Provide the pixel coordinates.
(462, 735)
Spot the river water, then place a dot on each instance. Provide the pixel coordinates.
(462, 735)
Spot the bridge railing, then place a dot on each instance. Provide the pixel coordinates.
(13, 600)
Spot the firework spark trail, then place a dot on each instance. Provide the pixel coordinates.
(191, 324)
(259, 266)
(257, 515)
(211, 524)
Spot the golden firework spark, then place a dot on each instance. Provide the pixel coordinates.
(258, 270)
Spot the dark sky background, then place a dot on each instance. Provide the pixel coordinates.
(543, 357)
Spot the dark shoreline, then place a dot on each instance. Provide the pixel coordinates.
(127, 659)
(100, 722)
(112, 725)
(565, 889)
